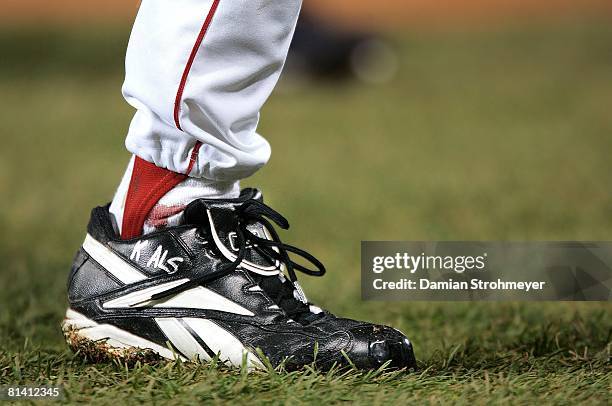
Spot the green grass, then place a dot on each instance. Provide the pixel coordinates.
(484, 135)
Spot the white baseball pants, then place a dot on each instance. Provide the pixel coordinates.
(198, 73)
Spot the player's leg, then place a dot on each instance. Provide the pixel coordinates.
(198, 73)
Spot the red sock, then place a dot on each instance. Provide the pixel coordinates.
(148, 184)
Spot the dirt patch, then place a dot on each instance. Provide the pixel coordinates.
(99, 351)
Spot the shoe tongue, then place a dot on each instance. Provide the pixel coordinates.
(253, 254)
(225, 222)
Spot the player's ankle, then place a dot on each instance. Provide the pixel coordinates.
(150, 198)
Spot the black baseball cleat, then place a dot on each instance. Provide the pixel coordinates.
(221, 286)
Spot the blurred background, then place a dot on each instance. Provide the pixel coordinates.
(396, 119)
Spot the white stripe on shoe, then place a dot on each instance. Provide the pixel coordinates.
(195, 298)
(222, 342)
(182, 339)
(110, 261)
(142, 297)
